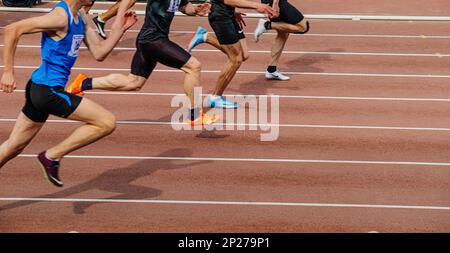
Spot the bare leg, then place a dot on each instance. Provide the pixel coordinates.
(112, 11)
(212, 40)
(289, 28)
(277, 48)
(245, 53)
(192, 79)
(23, 132)
(99, 123)
(88, 8)
(234, 53)
(118, 82)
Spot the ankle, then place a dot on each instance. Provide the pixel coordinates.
(51, 156)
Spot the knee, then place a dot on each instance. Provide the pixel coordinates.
(245, 56)
(237, 60)
(303, 27)
(107, 124)
(194, 65)
(135, 83)
(14, 148)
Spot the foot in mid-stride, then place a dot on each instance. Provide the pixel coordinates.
(100, 27)
(204, 119)
(220, 102)
(277, 75)
(260, 29)
(50, 169)
(198, 38)
(76, 87)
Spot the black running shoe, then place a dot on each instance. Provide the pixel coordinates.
(50, 169)
(100, 27)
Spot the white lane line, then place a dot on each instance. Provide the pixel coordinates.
(239, 203)
(97, 3)
(163, 123)
(386, 36)
(260, 160)
(394, 99)
(259, 15)
(258, 72)
(438, 55)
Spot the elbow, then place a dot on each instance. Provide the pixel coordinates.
(100, 58)
(10, 29)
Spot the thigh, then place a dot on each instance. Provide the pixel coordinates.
(90, 112)
(141, 65)
(167, 52)
(226, 31)
(30, 110)
(244, 48)
(24, 131)
(233, 50)
(54, 100)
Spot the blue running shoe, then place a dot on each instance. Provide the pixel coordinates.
(197, 39)
(220, 102)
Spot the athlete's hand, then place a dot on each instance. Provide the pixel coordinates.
(276, 8)
(203, 9)
(266, 9)
(8, 83)
(125, 22)
(130, 19)
(240, 19)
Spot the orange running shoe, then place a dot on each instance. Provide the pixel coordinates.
(204, 119)
(75, 86)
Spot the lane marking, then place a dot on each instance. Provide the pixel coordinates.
(259, 15)
(261, 160)
(162, 123)
(258, 72)
(436, 55)
(326, 35)
(230, 203)
(394, 99)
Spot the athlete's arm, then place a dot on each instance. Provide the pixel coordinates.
(194, 10)
(245, 4)
(101, 48)
(52, 22)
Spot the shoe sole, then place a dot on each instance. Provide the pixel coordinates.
(278, 79)
(213, 105)
(50, 179)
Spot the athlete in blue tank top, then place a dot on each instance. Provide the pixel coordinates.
(58, 56)
(63, 29)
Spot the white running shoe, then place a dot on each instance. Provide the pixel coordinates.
(260, 29)
(277, 75)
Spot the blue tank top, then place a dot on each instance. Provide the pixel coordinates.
(58, 57)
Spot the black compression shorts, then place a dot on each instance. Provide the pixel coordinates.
(288, 13)
(151, 52)
(228, 31)
(41, 101)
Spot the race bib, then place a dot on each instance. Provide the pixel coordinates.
(76, 43)
(174, 5)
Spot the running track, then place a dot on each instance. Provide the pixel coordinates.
(363, 146)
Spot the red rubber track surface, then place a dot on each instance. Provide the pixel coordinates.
(399, 78)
